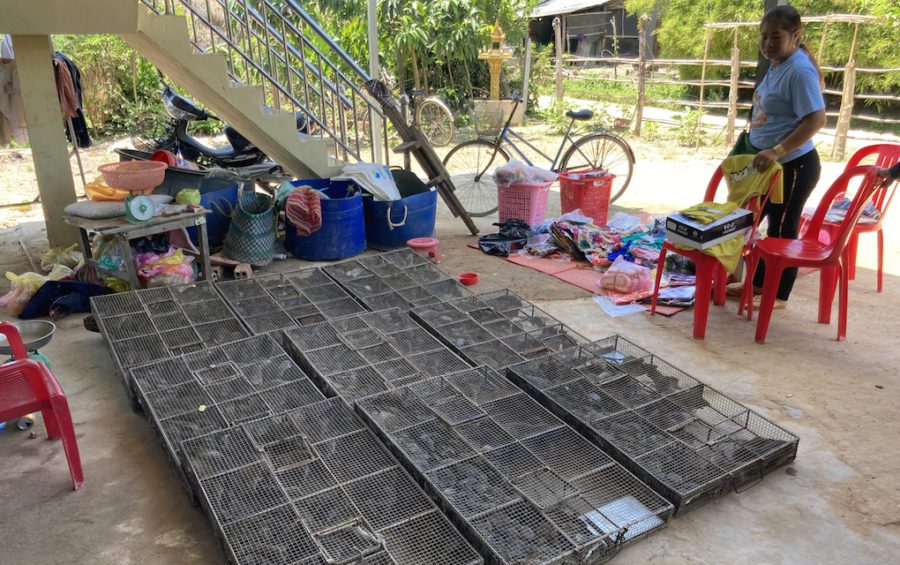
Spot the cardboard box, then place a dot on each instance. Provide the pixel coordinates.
(679, 240)
(703, 234)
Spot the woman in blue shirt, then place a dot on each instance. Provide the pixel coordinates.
(788, 110)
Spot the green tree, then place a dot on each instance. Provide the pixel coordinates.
(681, 33)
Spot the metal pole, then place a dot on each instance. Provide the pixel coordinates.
(374, 72)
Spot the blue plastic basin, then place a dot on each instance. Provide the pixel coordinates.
(390, 224)
(343, 231)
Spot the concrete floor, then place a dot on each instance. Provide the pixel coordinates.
(839, 502)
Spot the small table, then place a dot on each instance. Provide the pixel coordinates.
(123, 231)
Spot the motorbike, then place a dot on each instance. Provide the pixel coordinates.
(240, 156)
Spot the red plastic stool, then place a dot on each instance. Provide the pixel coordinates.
(426, 245)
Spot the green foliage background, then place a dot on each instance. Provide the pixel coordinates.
(434, 44)
(681, 33)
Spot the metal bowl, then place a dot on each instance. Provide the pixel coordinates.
(35, 334)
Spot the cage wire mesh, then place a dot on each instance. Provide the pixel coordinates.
(192, 395)
(314, 485)
(147, 325)
(286, 300)
(496, 329)
(369, 353)
(688, 441)
(520, 484)
(395, 279)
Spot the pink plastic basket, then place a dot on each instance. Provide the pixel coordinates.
(520, 201)
(136, 176)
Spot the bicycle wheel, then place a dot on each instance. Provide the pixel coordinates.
(602, 151)
(471, 168)
(435, 121)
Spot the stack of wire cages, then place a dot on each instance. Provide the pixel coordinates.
(314, 486)
(219, 388)
(361, 355)
(688, 441)
(286, 300)
(520, 484)
(158, 323)
(396, 279)
(497, 329)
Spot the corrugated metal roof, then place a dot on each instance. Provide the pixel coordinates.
(556, 7)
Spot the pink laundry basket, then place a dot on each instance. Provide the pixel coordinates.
(521, 201)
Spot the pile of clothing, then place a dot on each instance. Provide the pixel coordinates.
(623, 236)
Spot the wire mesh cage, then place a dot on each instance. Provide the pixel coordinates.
(688, 441)
(314, 486)
(507, 471)
(143, 326)
(357, 356)
(497, 329)
(395, 279)
(189, 396)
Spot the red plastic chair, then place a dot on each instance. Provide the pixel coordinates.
(27, 386)
(832, 258)
(711, 275)
(885, 155)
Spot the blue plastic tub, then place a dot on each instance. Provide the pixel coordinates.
(219, 196)
(343, 231)
(389, 225)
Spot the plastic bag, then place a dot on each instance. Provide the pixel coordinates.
(626, 277)
(69, 257)
(624, 223)
(519, 172)
(24, 286)
(170, 268)
(539, 246)
(374, 178)
(109, 257)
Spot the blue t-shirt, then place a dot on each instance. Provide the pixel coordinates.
(787, 94)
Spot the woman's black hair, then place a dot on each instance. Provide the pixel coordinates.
(789, 19)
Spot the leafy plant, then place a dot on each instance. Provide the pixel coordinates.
(690, 129)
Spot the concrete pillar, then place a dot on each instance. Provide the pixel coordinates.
(46, 134)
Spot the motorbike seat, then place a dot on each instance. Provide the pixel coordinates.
(582, 114)
(302, 122)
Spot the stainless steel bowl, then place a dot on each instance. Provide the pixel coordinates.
(35, 334)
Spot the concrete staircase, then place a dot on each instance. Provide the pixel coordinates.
(165, 41)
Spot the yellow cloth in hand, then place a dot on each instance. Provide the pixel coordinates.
(744, 182)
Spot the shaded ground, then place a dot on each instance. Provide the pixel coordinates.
(839, 502)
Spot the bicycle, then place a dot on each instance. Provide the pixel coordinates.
(429, 113)
(471, 164)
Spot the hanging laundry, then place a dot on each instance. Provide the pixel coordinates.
(79, 123)
(12, 109)
(65, 88)
(303, 209)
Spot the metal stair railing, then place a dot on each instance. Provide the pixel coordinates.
(276, 45)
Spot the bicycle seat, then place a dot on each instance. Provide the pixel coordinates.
(581, 114)
(417, 92)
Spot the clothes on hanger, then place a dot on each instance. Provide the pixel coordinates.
(65, 88)
(79, 123)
